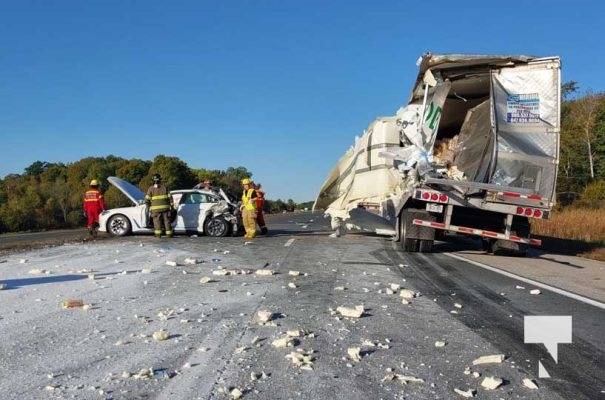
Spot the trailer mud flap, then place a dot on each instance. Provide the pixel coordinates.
(413, 237)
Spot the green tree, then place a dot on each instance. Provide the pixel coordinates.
(133, 171)
(568, 88)
(36, 169)
(175, 173)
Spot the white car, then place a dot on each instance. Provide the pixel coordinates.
(198, 211)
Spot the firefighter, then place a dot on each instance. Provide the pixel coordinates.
(260, 204)
(93, 205)
(248, 208)
(159, 200)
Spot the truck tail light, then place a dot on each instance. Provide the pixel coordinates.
(530, 212)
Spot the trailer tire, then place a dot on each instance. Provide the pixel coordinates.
(415, 238)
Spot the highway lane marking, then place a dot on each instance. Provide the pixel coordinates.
(289, 242)
(532, 282)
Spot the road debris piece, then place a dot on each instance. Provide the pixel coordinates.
(404, 379)
(375, 343)
(160, 335)
(492, 382)
(356, 312)
(294, 333)
(294, 273)
(38, 271)
(235, 393)
(3, 286)
(466, 393)
(172, 263)
(292, 285)
(440, 343)
(535, 291)
(519, 287)
(160, 373)
(265, 272)
(395, 286)
(72, 303)
(284, 341)
(206, 279)
(491, 359)
(457, 305)
(225, 272)
(255, 376)
(264, 315)
(302, 359)
(165, 314)
(144, 373)
(408, 294)
(529, 383)
(354, 353)
(191, 261)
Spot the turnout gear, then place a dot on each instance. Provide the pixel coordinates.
(249, 209)
(159, 200)
(260, 204)
(93, 205)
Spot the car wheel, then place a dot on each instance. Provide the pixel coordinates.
(119, 225)
(216, 227)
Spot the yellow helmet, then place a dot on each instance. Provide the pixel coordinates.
(94, 182)
(245, 181)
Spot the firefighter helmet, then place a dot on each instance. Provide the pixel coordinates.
(94, 182)
(156, 178)
(245, 181)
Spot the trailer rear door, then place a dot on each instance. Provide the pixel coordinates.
(526, 118)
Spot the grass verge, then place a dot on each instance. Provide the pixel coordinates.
(574, 231)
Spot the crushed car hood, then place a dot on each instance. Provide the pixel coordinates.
(132, 192)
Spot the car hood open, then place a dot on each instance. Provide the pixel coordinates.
(132, 192)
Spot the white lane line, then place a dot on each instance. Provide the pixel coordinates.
(289, 242)
(532, 282)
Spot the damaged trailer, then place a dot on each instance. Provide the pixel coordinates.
(475, 151)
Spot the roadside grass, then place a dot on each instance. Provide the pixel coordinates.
(583, 228)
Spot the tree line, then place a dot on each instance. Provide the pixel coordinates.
(49, 195)
(581, 177)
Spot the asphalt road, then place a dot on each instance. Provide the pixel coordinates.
(216, 342)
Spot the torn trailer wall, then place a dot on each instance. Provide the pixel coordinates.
(489, 122)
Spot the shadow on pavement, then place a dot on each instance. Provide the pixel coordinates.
(17, 283)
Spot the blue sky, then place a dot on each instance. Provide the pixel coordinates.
(279, 87)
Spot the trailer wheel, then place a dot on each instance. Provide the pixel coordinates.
(405, 222)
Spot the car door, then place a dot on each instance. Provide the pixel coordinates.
(192, 211)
